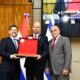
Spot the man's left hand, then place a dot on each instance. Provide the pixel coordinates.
(38, 57)
(65, 72)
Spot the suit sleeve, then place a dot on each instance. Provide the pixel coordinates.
(68, 54)
(3, 48)
(45, 48)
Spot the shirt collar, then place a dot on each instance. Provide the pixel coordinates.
(57, 37)
(37, 35)
(13, 38)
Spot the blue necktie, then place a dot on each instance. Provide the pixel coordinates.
(15, 43)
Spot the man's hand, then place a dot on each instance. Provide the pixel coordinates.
(65, 72)
(14, 56)
(38, 57)
(30, 37)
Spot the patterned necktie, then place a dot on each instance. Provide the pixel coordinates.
(35, 37)
(53, 44)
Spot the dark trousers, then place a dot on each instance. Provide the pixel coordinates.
(34, 76)
(34, 72)
(13, 75)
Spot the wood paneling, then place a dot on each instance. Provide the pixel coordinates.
(2, 29)
(14, 2)
(11, 13)
(6, 1)
(9, 16)
(19, 14)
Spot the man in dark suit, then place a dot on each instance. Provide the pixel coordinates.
(9, 66)
(60, 55)
(35, 66)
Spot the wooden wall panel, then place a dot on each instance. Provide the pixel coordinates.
(6, 19)
(13, 14)
(21, 2)
(14, 2)
(2, 28)
(9, 17)
(20, 10)
(18, 15)
(6, 1)
(1, 1)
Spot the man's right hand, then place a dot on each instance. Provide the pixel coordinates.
(13, 56)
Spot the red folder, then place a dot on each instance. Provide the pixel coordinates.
(27, 47)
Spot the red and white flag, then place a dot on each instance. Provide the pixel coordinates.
(24, 28)
(23, 32)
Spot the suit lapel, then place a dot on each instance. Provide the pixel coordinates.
(57, 43)
(50, 45)
(39, 37)
(11, 43)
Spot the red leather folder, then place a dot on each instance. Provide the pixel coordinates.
(27, 47)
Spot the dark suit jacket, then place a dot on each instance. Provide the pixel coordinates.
(6, 49)
(43, 51)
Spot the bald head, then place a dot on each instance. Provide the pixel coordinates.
(36, 27)
(37, 23)
(55, 31)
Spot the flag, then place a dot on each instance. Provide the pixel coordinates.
(48, 33)
(46, 76)
(23, 32)
(49, 36)
(24, 28)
